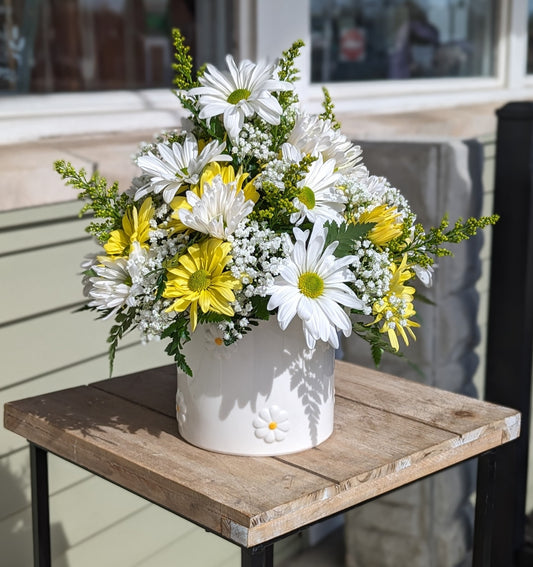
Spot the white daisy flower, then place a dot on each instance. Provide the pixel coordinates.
(313, 135)
(218, 211)
(318, 197)
(272, 424)
(291, 153)
(179, 164)
(312, 285)
(425, 275)
(244, 92)
(89, 261)
(117, 282)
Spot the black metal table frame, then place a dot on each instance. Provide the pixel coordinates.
(262, 555)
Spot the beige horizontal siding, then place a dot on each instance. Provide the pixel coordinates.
(46, 347)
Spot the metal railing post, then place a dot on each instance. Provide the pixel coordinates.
(510, 323)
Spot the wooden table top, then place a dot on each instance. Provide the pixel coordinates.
(388, 432)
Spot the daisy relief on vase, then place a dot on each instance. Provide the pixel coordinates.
(255, 210)
(272, 424)
(181, 408)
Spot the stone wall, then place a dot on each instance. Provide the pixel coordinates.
(429, 524)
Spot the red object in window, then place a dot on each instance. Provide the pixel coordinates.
(353, 44)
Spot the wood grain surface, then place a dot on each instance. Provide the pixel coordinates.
(388, 432)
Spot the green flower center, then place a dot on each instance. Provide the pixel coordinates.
(311, 285)
(307, 197)
(238, 95)
(199, 281)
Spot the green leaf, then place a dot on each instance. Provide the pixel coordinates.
(124, 321)
(345, 234)
(260, 310)
(377, 353)
(178, 333)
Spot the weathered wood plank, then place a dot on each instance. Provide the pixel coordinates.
(60, 370)
(389, 432)
(141, 450)
(446, 410)
(139, 387)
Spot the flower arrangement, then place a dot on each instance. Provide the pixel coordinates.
(255, 209)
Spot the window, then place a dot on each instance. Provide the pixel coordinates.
(530, 39)
(88, 45)
(361, 40)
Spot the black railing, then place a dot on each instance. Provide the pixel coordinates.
(510, 324)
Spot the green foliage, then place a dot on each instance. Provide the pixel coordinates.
(431, 243)
(328, 113)
(103, 201)
(178, 333)
(287, 71)
(260, 308)
(276, 205)
(378, 343)
(345, 234)
(183, 65)
(287, 68)
(161, 284)
(124, 321)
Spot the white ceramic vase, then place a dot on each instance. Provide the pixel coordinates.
(267, 394)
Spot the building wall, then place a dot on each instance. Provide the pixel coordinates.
(45, 347)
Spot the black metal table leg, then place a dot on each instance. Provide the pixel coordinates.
(40, 507)
(259, 556)
(485, 507)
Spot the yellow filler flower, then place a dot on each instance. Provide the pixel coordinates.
(200, 280)
(395, 309)
(135, 228)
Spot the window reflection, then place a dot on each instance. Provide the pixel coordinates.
(530, 39)
(354, 40)
(80, 45)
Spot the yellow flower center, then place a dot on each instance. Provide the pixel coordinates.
(272, 425)
(307, 197)
(238, 95)
(311, 285)
(199, 281)
(219, 341)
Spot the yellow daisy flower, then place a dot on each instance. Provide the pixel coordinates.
(135, 228)
(228, 174)
(200, 280)
(395, 309)
(387, 224)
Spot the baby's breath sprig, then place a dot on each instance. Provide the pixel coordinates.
(103, 201)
